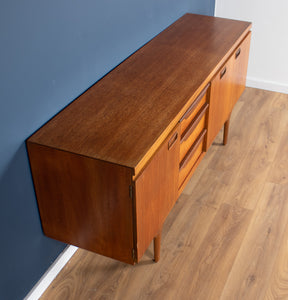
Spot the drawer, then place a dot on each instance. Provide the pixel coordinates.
(191, 157)
(194, 109)
(193, 130)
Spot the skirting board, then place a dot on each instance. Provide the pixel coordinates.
(267, 85)
(51, 273)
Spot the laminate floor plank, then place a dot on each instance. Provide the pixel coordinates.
(183, 238)
(226, 237)
(181, 242)
(217, 146)
(279, 172)
(243, 131)
(211, 266)
(253, 266)
(202, 167)
(247, 184)
(215, 188)
(278, 282)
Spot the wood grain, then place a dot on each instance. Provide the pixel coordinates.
(195, 107)
(191, 158)
(226, 88)
(278, 282)
(139, 102)
(206, 218)
(156, 191)
(216, 255)
(226, 131)
(279, 171)
(245, 124)
(267, 130)
(106, 169)
(81, 205)
(189, 229)
(192, 132)
(157, 247)
(261, 245)
(220, 106)
(240, 65)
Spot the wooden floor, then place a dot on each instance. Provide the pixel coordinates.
(226, 237)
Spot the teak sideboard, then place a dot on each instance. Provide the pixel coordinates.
(109, 167)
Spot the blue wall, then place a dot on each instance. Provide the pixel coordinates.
(204, 7)
(50, 52)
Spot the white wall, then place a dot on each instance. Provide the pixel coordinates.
(268, 62)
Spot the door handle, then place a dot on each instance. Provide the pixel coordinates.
(237, 53)
(223, 72)
(173, 140)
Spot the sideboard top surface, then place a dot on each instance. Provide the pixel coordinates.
(120, 117)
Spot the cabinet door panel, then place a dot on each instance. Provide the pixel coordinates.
(156, 191)
(226, 88)
(220, 100)
(240, 57)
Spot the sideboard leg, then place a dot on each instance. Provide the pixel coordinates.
(157, 245)
(226, 131)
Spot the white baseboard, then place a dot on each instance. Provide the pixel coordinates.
(51, 273)
(267, 85)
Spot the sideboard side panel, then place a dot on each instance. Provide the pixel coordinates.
(83, 201)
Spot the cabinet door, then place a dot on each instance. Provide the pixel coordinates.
(240, 66)
(156, 191)
(226, 88)
(220, 105)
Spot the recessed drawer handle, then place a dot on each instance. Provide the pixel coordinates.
(194, 123)
(195, 103)
(173, 140)
(192, 150)
(237, 53)
(223, 72)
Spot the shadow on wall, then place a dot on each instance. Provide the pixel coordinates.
(22, 236)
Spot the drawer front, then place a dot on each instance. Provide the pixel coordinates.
(192, 131)
(191, 157)
(194, 109)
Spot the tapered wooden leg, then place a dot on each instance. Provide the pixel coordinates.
(157, 245)
(226, 131)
